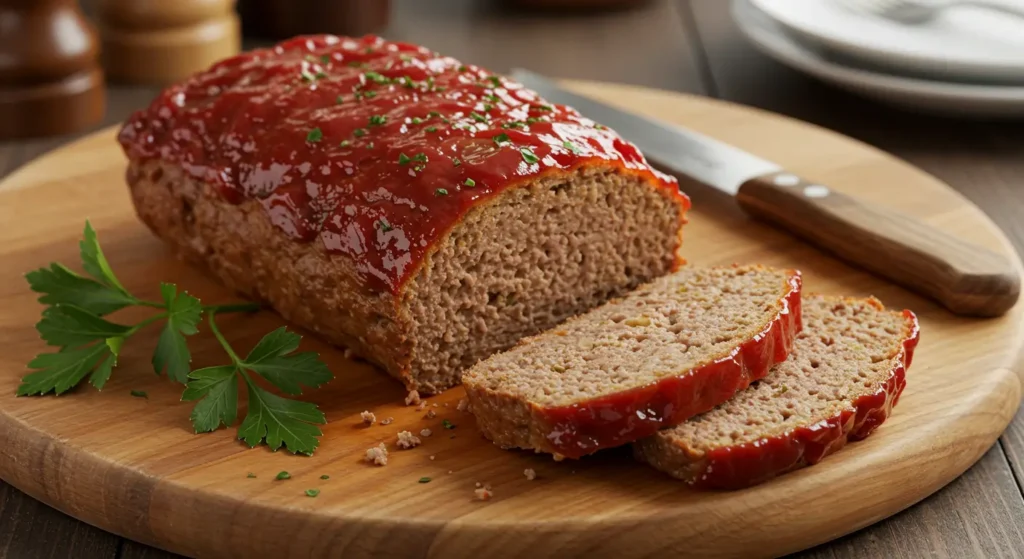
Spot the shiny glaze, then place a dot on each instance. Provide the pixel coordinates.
(616, 419)
(375, 148)
(748, 464)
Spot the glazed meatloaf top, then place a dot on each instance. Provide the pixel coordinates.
(375, 148)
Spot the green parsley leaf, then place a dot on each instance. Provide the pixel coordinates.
(339, 100)
(251, 475)
(345, 143)
(139, 394)
(456, 162)
(514, 124)
(312, 492)
(501, 138)
(424, 479)
(528, 155)
(68, 325)
(314, 135)
(542, 108)
(274, 359)
(377, 78)
(571, 147)
(183, 314)
(433, 114)
(369, 94)
(325, 59)
(416, 120)
(325, 476)
(216, 388)
(95, 262)
(431, 129)
(495, 81)
(463, 68)
(378, 120)
(357, 64)
(60, 371)
(534, 120)
(470, 183)
(280, 422)
(478, 117)
(492, 98)
(420, 157)
(59, 285)
(447, 424)
(359, 132)
(384, 226)
(441, 192)
(283, 475)
(403, 159)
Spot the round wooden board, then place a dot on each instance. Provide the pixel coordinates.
(132, 466)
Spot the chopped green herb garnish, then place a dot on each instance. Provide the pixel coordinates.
(600, 126)
(440, 88)
(369, 94)
(478, 117)
(445, 120)
(433, 114)
(369, 145)
(441, 192)
(488, 107)
(528, 155)
(310, 58)
(463, 68)
(306, 76)
(420, 157)
(325, 59)
(320, 75)
(345, 143)
(571, 147)
(470, 183)
(405, 58)
(357, 64)
(407, 82)
(312, 492)
(369, 50)
(403, 159)
(534, 120)
(492, 98)
(378, 120)
(431, 129)
(339, 100)
(424, 479)
(501, 138)
(377, 78)
(543, 108)
(359, 132)
(456, 162)
(325, 476)
(448, 424)
(251, 475)
(416, 120)
(314, 135)
(139, 394)
(514, 124)
(283, 475)
(495, 81)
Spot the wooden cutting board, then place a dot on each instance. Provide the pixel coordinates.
(132, 466)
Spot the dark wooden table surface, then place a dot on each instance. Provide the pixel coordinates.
(693, 47)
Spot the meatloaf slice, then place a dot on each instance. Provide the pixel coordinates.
(845, 374)
(673, 348)
(422, 212)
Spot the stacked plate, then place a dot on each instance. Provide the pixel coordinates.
(965, 61)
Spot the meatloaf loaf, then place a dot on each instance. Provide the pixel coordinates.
(845, 374)
(669, 350)
(422, 212)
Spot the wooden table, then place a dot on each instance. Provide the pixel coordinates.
(689, 46)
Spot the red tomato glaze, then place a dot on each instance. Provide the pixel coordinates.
(375, 148)
(580, 429)
(752, 463)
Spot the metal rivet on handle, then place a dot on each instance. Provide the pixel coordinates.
(786, 179)
(816, 191)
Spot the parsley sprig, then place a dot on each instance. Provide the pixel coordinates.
(89, 345)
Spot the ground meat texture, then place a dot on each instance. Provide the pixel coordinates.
(669, 350)
(846, 371)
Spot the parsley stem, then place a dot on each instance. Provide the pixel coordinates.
(235, 307)
(223, 342)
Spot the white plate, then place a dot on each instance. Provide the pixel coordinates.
(915, 94)
(961, 44)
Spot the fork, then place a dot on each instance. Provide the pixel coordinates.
(920, 11)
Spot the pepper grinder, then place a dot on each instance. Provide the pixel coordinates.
(50, 78)
(157, 42)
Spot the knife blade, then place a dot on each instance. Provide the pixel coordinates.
(965, 278)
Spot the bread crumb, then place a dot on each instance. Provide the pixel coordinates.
(463, 405)
(426, 433)
(407, 440)
(378, 455)
(530, 474)
(451, 472)
(368, 417)
(348, 354)
(430, 415)
(434, 404)
(446, 404)
(422, 406)
(412, 398)
(478, 484)
(387, 421)
(432, 456)
(483, 494)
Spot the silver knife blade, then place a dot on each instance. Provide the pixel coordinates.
(674, 148)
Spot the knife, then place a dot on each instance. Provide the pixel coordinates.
(965, 278)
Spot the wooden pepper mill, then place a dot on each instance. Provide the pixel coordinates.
(50, 78)
(157, 42)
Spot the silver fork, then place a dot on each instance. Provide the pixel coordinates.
(921, 11)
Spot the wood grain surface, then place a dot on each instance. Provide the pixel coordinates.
(131, 466)
(689, 46)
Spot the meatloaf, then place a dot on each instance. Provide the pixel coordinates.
(422, 212)
(845, 374)
(669, 350)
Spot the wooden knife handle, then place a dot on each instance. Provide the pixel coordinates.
(965, 278)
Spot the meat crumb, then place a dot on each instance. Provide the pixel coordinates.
(422, 406)
(530, 474)
(368, 417)
(432, 456)
(407, 440)
(378, 455)
(430, 414)
(412, 398)
(478, 484)
(387, 421)
(348, 354)
(426, 433)
(463, 405)
(483, 494)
